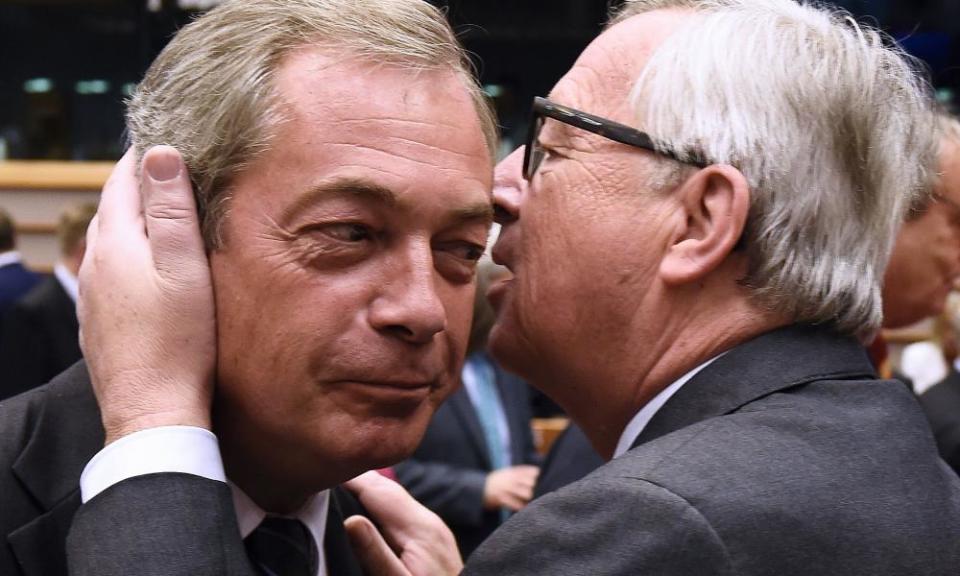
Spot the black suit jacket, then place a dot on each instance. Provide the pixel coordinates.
(48, 435)
(941, 404)
(448, 470)
(15, 281)
(782, 457)
(40, 336)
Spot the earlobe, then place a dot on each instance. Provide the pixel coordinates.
(715, 203)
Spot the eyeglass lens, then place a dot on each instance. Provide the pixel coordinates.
(533, 155)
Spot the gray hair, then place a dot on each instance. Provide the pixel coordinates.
(211, 93)
(829, 123)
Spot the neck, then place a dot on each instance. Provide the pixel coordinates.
(692, 326)
(257, 466)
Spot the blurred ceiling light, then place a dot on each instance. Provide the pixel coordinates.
(197, 4)
(493, 90)
(38, 85)
(128, 89)
(86, 87)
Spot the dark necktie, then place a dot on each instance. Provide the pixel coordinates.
(283, 547)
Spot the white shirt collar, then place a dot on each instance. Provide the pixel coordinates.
(642, 418)
(67, 280)
(10, 257)
(313, 514)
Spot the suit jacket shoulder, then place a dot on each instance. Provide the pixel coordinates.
(806, 467)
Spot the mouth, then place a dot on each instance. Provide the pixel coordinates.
(391, 391)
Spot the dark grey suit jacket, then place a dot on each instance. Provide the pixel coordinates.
(48, 435)
(448, 470)
(782, 457)
(41, 338)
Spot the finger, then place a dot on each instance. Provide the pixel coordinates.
(524, 493)
(170, 210)
(387, 501)
(119, 207)
(513, 503)
(372, 551)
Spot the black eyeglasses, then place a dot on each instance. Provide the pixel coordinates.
(543, 109)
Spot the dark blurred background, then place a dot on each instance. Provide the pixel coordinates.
(67, 65)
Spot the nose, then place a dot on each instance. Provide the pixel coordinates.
(408, 305)
(508, 187)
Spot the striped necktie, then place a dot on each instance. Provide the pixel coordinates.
(283, 547)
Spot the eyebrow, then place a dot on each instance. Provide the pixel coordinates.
(371, 191)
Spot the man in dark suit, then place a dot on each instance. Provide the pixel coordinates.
(49, 435)
(343, 233)
(477, 462)
(697, 235)
(40, 331)
(941, 404)
(15, 278)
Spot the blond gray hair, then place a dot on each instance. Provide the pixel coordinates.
(210, 93)
(829, 122)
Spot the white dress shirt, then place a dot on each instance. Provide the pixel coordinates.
(69, 282)
(190, 450)
(9, 257)
(642, 418)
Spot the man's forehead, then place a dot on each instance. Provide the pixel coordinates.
(337, 83)
(601, 80)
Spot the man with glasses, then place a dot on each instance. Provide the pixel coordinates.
(700, 308)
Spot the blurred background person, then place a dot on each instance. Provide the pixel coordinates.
(40, 333)
(15, 279)
(925, 263)
(477, 462)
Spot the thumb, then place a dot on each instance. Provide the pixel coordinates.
(372, 551)
(170, 211)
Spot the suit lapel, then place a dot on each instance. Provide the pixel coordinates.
(38, 544)
(769, 363)
(336, 546)
(69, 412)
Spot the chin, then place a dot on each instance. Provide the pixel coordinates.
(505, 349)
(383, 442)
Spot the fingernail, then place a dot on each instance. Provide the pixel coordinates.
(162, 167)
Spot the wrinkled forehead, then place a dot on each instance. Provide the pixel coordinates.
(603, 76)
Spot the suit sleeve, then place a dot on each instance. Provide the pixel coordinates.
(162, 524)
(610, 526)
(454, 493)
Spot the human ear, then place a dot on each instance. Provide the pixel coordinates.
(714, 204)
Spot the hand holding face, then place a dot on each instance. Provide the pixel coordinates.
(415, 541)
(146, 308)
